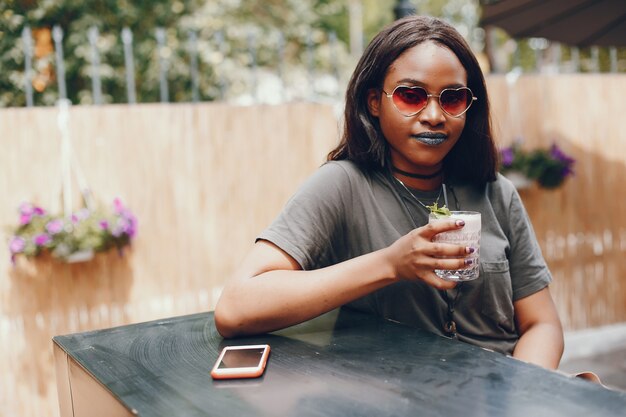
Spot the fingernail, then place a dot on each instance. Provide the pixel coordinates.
(469, 261)
(469, 249)
(460, 222)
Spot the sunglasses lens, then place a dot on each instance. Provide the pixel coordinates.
(410, 100)
(455, 102)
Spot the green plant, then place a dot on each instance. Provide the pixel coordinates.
(439, 212)
(548, 167)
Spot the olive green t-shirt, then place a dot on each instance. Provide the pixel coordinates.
(342, 212)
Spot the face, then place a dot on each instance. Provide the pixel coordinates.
(419, 143)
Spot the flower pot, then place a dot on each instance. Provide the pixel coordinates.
(519, 180)
(82, 256)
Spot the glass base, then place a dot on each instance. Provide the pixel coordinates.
(458, 275)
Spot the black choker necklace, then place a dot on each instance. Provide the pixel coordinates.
(418, 176)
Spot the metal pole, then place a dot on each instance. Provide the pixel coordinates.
(127, 40)
(310, 64)
(193, 56)
(96, 86)
(28, 65)
(613, 58)
(280, 51)
(332, 39)
(253, 64)
(557, 56)
(595, 59)
(163, 65)
(219, 39)
(576, 58)
(57, 35)
(355, 11)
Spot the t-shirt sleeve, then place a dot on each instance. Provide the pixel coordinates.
(310, 225)
(529, 272)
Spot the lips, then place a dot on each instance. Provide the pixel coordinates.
(430, 138)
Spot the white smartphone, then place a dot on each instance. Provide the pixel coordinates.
(246, 361)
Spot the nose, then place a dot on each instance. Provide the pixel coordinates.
(432, 113)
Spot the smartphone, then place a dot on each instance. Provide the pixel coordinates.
(246, 361)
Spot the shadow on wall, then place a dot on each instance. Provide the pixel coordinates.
(47, 298)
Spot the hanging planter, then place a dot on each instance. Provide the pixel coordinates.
(549, 168)
(73, 238)
(519, 179)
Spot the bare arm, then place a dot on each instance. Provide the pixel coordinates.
(269, 291)
(541, 340)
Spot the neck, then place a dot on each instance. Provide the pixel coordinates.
(418, 176)
(425, 182)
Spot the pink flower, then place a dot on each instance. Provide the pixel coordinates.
(25, 219)
(104, 225)
(16, 245)
(55, 226)
(118, 206)
(81, 214)
(42, 239)
(26, 209)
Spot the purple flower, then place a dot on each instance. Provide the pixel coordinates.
(16, 245)
(126, 223)
(565, 160)
(508, 155)
(55, 226)
(38, 211)
(42, 239)
(104, 225)
(131, 224)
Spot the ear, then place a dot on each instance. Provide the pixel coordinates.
(373, 101)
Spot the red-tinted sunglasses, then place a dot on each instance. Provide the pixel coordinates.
(411, 100)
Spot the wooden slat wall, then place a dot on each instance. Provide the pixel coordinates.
(204, 179)
(582, 225)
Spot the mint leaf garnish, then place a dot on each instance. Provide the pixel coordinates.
(442, 211)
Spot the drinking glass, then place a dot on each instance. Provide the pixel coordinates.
(469, 235)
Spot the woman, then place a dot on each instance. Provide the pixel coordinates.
(357, 234)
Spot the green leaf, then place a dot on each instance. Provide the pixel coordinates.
(442, 211)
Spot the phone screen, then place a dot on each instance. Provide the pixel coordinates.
(241, 358)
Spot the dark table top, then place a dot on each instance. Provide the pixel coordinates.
(341, 364)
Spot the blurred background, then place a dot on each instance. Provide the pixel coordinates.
(100, 52)
(203, 117)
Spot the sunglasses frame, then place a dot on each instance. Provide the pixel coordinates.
(428, 96)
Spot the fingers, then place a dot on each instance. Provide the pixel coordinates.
(446, 250)
(439, 226)
(451, 264)
(433, 280)
(416, 256)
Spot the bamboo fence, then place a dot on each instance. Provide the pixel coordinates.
(204, 179)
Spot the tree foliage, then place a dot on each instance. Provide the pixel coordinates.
(301, 27)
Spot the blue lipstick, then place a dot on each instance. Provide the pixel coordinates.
(430, 138)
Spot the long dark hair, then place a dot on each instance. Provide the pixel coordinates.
(474, 157)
